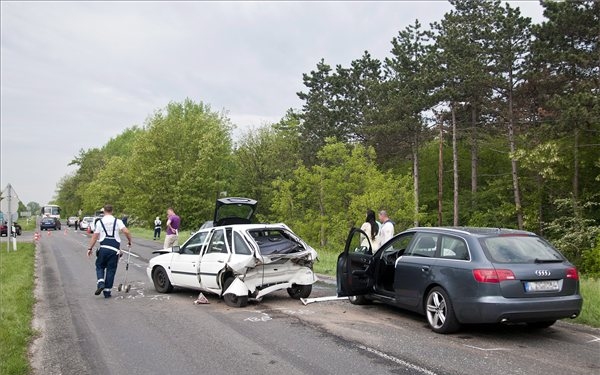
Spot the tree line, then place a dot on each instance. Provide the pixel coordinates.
(481, 119)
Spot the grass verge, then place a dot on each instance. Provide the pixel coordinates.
(327, 262)
(27, 225)
(16, 308)
(590, 313)
(148, 234)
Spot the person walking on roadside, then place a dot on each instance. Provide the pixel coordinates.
(173, 222)
(386, 232)
(106, 232)
(157, 224)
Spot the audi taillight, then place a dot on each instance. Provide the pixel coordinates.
(493, 275)
(572, 273)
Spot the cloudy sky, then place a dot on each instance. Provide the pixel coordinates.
(75, 74)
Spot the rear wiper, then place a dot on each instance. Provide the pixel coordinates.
(547, 260)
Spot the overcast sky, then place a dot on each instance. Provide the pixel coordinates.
(75, 74)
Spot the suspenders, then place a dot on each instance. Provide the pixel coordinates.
(110, 242)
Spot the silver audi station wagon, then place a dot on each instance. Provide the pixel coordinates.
(462, 275)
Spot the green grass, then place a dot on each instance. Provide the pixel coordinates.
(327, 262)
(143, 233)
(27, 225)
(148, 234)
(16, 308)
(590, 313)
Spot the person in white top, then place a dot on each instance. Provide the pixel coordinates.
(157, 226)
(386, 232)
(371, 228)
(107, 257)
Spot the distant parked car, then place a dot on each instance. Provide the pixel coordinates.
(71, 221)
(458, 276)
(47, 223)
(4, 229)
(87, 222)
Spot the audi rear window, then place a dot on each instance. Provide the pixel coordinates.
(519, 249)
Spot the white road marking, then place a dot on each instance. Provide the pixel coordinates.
(263, 318)
(484, 349)
(397, 360)
(596, 339)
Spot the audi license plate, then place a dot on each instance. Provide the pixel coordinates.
(541, 286)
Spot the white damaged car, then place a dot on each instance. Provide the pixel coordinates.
(237, 260)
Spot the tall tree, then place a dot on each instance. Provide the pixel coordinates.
(263, 156)
(568, 44)
(410, 84)
(318, 117)
(462, 41)
(357, 90)
(182, 160)
(510, 48)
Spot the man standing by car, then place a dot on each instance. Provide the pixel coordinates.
(386, 232)
(173, 222)
(107, 232)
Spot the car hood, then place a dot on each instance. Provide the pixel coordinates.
(234, 210)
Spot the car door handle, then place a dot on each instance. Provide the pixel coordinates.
(425, 268)
(220, 261)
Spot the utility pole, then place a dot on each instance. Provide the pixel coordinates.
(440, 169)
(9, 194)
(9, 222)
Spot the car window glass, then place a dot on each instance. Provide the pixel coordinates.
(240, 246)
(217, 243)
(275, 241)
(229, 235)
(519, 249)
(424, 245)
(454, 248)
(397, 245)
(194, 244)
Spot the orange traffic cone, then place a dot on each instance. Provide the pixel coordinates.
(65, 232)
(89, 230)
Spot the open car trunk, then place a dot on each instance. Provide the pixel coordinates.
(234, 210)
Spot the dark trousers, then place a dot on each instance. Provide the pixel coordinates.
(156, 232)
(106, 266)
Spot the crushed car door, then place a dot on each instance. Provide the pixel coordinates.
(184, 264)
(354, 265)
(214, 259)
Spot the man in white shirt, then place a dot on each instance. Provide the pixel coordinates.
(107, 232)
(386, 232)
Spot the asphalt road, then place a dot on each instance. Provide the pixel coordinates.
(144, 332)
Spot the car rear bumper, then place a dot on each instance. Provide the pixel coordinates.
(500, 309)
